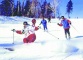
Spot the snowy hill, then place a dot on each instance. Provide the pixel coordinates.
(47, 45)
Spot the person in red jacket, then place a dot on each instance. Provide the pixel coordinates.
(33, 22)
(66, 25)
(28, 31)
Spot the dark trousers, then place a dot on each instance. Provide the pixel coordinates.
(49, 20)
(67, 32)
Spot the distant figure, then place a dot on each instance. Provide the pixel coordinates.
(44, 23)
(28, 31)
(49, 19)
(33, 22)
(66, 25)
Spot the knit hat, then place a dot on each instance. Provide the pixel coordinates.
(25, 23)
(62, 17)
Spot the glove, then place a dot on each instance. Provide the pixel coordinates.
(39, 27)
(70, 23)
(57, 23)
(36, 28)
(13, 30)
(23, 32)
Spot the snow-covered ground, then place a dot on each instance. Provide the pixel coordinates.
(47, 45)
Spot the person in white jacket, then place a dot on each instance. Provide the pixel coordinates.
(28, 31)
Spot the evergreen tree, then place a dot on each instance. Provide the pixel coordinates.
(15, 11)
(27, 8)
(23, 8)
(69, 7)
(49, 10)
(43, 8)
(18, 9)
(6, 7)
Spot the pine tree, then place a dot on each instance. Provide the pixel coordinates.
(49, 10)
(23, 8)
(6, 7)
(43, 8)
(69, 7)
(18, 9)
(27, 8)
(12, 6)
(15, 11)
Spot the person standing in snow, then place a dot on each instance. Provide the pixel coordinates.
(28, 31)
(33, 22)
(66, 25)
(44, 23)
(49, 19)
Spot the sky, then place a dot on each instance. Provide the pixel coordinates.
(46, 45)
(77, 8)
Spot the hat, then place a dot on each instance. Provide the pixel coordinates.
(62, 16)
(25, 23)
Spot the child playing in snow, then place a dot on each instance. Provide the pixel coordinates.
(28, 31)
(66, 25)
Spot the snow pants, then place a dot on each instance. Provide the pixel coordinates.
(67, 32)
(45, 27)
(30, 38)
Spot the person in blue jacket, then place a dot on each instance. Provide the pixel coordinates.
(66, 25)
(44, 23)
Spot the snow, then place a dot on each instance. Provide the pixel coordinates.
(47, 45)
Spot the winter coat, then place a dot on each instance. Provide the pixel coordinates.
(44, 22)
(65, 23)
(27, 31)
(33, 22)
